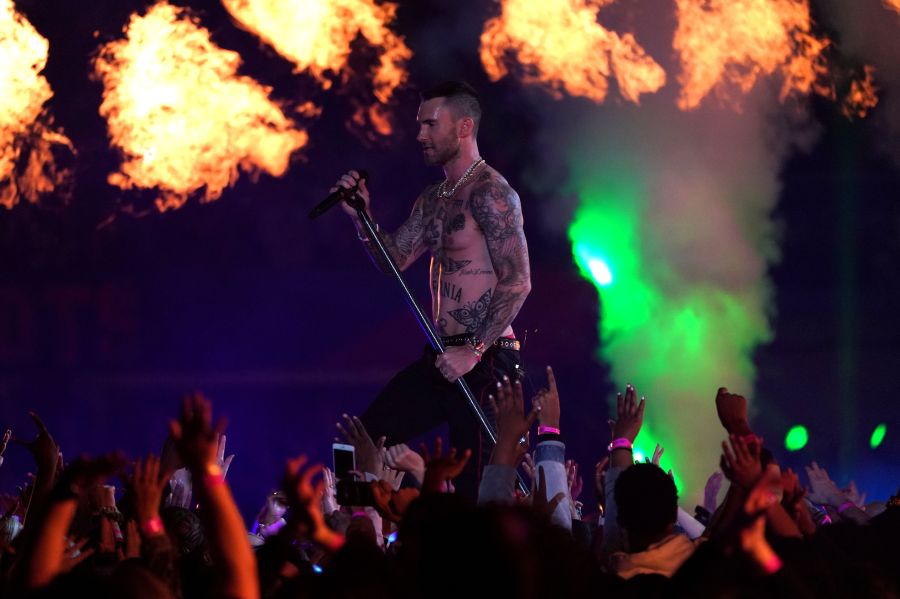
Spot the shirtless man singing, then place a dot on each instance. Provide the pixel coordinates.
(471, 223)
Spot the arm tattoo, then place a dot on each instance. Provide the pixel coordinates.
(405, 245)
(498, 211)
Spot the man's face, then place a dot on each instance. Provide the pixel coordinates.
(437, 132)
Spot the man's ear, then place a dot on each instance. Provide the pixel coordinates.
(466, 127)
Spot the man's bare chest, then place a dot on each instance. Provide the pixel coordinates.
(450, 226)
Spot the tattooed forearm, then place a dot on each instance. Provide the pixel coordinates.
(404, 245)
(498, 211)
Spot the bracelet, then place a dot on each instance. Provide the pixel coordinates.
(772, 564)
(478, 347)
(153, 526)
(544, 430)
(214, 476)
(620, 443)
(845, 506)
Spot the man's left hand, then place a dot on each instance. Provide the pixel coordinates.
(456, 361)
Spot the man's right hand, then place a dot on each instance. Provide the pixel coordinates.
(348, 181)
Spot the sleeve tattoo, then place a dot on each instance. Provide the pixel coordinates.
(498, 211)
(405, 244)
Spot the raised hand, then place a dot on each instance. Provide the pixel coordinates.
(547, 401)
(711, 491)
(401, 457)
(657, 454)
(740, 462)
(528, 466)
(629, 415)
(751, 535)
(441, 469)
(195, 439)
(43, 448)
(223, 462)
(794, 502)
(853, 494)
(574, 481)
(540, 502)
(732, 411)
(329, 493)
(76, 552)
(303, 496)
(147, 483)
(392, 503)
(369, 457)
(822, 489)
(512, 422)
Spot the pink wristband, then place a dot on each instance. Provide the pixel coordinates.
(845, 506)
(359, 515)
(153, 526)
(772, 565)
(214, 476)
(548, 430)
(620, 443)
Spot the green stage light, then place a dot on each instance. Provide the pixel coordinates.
(796, 438)
(878, 435)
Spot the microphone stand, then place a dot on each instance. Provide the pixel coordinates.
(425, 323)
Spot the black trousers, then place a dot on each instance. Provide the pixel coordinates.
(419, 398)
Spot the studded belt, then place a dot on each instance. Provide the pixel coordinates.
(466, 339)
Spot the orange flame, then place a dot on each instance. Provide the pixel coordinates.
(181, 116)
(316, 36)
(893, 4)
(560, 43)
(725, 44)
(862, 96)
(27, 137)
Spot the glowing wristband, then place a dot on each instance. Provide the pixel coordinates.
(153, 526)
(772, 564)
(548, 430)
(214, 476)
(620, 443)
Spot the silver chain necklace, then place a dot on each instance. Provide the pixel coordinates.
(442, 188)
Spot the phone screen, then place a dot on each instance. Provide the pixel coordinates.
(344, 460)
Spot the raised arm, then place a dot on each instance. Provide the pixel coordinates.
(405, 245)
(498, 211)
(197, 442)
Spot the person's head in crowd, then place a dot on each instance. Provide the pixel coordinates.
(647, 501)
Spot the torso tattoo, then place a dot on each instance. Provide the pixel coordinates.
(479, 267)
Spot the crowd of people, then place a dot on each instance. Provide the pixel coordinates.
(174, 530)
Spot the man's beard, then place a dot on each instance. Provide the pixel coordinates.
(442, 154)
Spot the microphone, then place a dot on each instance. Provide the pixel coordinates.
(338, 196)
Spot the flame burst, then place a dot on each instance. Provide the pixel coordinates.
(893, 4)
(862, 96)
(181, 115)
(27, 137)
(560, 43)
(725, 44)
(316, 36)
